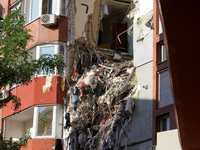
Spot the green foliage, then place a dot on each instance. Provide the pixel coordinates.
(16, 63)
(8, 144)
(24, 139)
(48, 63)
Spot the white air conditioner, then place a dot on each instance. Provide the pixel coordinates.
(1, 12)
(48, 19)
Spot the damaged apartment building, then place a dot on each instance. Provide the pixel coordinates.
(105, 98)
(110, 75)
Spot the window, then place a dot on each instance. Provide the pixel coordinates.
(164, 123)
(51, 49)
(34, 9)
(45, 121)
(31, 9)
(165, 96)
(160, 26)
(162, 54)
(63, 3)
(47, 7)
(47, 50)
(61, 50)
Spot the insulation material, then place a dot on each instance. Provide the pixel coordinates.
(63, 83)
(145, 24)
(48, 84)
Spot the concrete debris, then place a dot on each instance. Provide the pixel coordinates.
(101, 101)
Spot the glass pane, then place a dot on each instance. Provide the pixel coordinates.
(27, 11)
(49, 10)
(160, 26)
(62, 50)
(47, 50)
(63, 7)
(45, 121)
(165, 124)
(163, 53)
(47, 7)
(34, 9)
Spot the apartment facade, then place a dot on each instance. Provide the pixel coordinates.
(164, 119)
(42, 100)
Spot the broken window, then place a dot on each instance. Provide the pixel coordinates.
(45, 121)
(113, 26)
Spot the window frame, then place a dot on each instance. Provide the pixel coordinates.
(36, 122)
(57, 51)
(162, 118)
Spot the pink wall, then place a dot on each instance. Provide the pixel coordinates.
(39, 144)
(32, 94)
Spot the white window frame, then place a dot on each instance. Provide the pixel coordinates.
(56, 8)
(36, 120)
(163, 53)
(57, 51)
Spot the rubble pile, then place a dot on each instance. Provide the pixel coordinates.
(100, 104)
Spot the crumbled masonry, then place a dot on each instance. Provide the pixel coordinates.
(100, 103)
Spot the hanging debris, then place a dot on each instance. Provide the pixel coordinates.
(101, 99)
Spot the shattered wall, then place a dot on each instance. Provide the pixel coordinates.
(87, 19)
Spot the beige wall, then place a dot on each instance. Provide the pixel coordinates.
(81, 19)
(168, 140)
(14, 129)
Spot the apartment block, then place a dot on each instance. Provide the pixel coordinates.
(44, 96)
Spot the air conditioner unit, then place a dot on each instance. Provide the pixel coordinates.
(1, 12)
(48, 19)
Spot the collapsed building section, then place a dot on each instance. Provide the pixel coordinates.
(101, 76)
(102, 23)
(100, 102)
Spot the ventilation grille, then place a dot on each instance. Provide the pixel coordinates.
(48, 19)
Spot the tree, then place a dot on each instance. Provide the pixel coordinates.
(16, 63)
